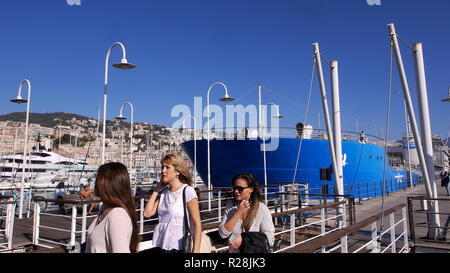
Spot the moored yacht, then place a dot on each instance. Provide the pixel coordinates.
(43, 168)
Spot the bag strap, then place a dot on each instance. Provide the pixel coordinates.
(186, 222)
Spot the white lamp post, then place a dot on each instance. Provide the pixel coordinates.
(121, 117)
(195, 147)
(19, 100)
(122, 65)
(277, 116)
(224, 99)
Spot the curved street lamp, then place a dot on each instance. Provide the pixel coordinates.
(121, 118)
(226, 98)
(277, 116)
(195, 146)
(124, 65)
(19, 100)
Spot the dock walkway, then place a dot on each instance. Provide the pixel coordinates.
(23, 233)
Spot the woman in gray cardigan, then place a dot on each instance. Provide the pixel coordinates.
(246, 214)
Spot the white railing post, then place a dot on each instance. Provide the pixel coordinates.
(292, 229)
(392, 232)
(307, 197)
(141, 215)
(220, 205)
(322, 226)
(83, 224)
(374, 231)
(10, 224)
(344, 240)
(405, 230)
(344, 215)
(209, 200)
(73, 227)
(36, 223)
(344, 244)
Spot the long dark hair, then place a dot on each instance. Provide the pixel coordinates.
(113, 186)
(255, 197)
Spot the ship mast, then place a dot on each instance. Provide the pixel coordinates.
(326, 113)
(425, 163)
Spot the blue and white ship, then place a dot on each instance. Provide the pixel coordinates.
(364, 162)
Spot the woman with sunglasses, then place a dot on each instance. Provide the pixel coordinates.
(246, 214)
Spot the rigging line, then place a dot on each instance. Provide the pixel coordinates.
(386, 136)
(245, 95)
(405, 43)
(283, 97)
(357, 168)
(301, 141)
(325, 60)
(305, 120)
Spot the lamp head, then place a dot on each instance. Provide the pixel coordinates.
(120, 117)
(278, 116)
(19, 100)
(226, 98)
(447, 99)
(124, 65)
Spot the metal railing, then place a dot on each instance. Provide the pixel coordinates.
(7, 211)
(322, 223)
(345, 240)
(370, 190)
(241, 133)
(72, 231)
(293, 226)
(77, 231)
(419, 222)
(292, 217)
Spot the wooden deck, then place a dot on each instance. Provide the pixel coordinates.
(23, 233)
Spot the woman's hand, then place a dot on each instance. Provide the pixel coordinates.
(240, 213)
(237, 242)
(243, 208)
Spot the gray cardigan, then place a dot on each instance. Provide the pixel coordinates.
(262, 223)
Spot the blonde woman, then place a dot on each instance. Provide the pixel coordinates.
(175, 181)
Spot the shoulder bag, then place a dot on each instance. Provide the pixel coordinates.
(188, 240)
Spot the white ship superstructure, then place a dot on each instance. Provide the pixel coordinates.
(43, 168)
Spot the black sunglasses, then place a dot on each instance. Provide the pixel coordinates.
(239, 188)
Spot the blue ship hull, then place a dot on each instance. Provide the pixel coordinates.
(363, 163)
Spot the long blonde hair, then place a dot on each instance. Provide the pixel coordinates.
(179, 165)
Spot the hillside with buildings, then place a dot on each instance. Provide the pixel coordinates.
(80, 137)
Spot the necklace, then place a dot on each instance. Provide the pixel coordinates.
(174, 196)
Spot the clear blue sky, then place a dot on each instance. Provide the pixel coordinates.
(181, 47)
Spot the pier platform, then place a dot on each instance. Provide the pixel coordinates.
(23, 228)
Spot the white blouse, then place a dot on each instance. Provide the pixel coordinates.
(170, 229)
